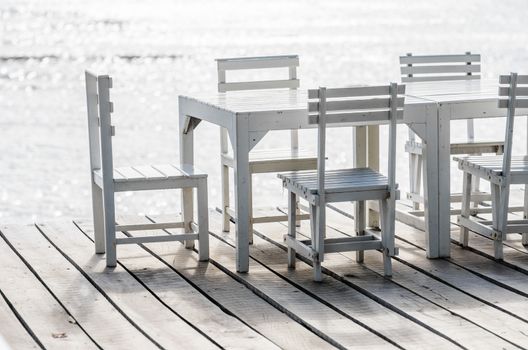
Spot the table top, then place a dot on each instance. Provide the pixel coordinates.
(266, 100)
(454, 90)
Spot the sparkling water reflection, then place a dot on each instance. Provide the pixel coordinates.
(156, 51)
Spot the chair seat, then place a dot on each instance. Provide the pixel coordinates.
(158, 175)
(486, 166)
(275, 160)
(461, 147)
(336, 181)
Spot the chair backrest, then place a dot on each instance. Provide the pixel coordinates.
(100, 129)
(360, 106)
(250, 63)
(513, 93)
(245, 63)
(439, 67)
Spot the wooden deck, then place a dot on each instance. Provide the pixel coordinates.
(56, 293)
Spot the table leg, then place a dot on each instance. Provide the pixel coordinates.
(187, 157)
(373, 163)
(437, 182)
(241, 147)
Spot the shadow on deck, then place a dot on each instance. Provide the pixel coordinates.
(56, 293)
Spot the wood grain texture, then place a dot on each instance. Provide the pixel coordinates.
(405, 301)
(151, 316)
(238, 300)
(351, 303)
(48, 320)
(179, 295)
(12, 333)
(87, 305)
(321, 319)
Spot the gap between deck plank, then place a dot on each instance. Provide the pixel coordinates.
(15, 332)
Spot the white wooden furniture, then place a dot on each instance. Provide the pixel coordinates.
(107, 180)
(500, 171)
(263, 161)
(452, 100)
(362, 105)
(249, 115)
(461, 67)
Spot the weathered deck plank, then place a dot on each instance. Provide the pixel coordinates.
(138, 303)
(91, 309)
(48, 320)
(513, 257)
(453, 275)
(239, 300)
(485, 267)
(408, 303)
(503, 324)
(321, 319)
(482, 265)
(355, 305)
(467, 301)
(175, 292)
(12, 332)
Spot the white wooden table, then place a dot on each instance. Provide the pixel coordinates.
(248, 116)
(454, 100)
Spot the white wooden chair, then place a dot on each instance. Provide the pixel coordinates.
(500, 171)
(360, 106)
(106, 180)
(261, 161)
(440, 68)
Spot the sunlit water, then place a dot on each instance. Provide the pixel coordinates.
(156, 50)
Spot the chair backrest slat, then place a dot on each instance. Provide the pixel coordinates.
(429, 68)
(361, 106)
(439, 67)
(100, 127)
(291, 62)
(367, 105)
(246, 63)
(513, 96)
(93, 120)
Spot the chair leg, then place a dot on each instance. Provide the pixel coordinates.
(224, 174)
(292, 232)
(418, 177)
(298, 211)
(387, 234)
(360, 226)
(98, 219)
(411, 175)
(466, 198)
(496, 218)
(525, 235)
(188, 213)
(250, 204)
(110, 223)
(475, 187)
(415, 167)
(203, 221)
(315, 221)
